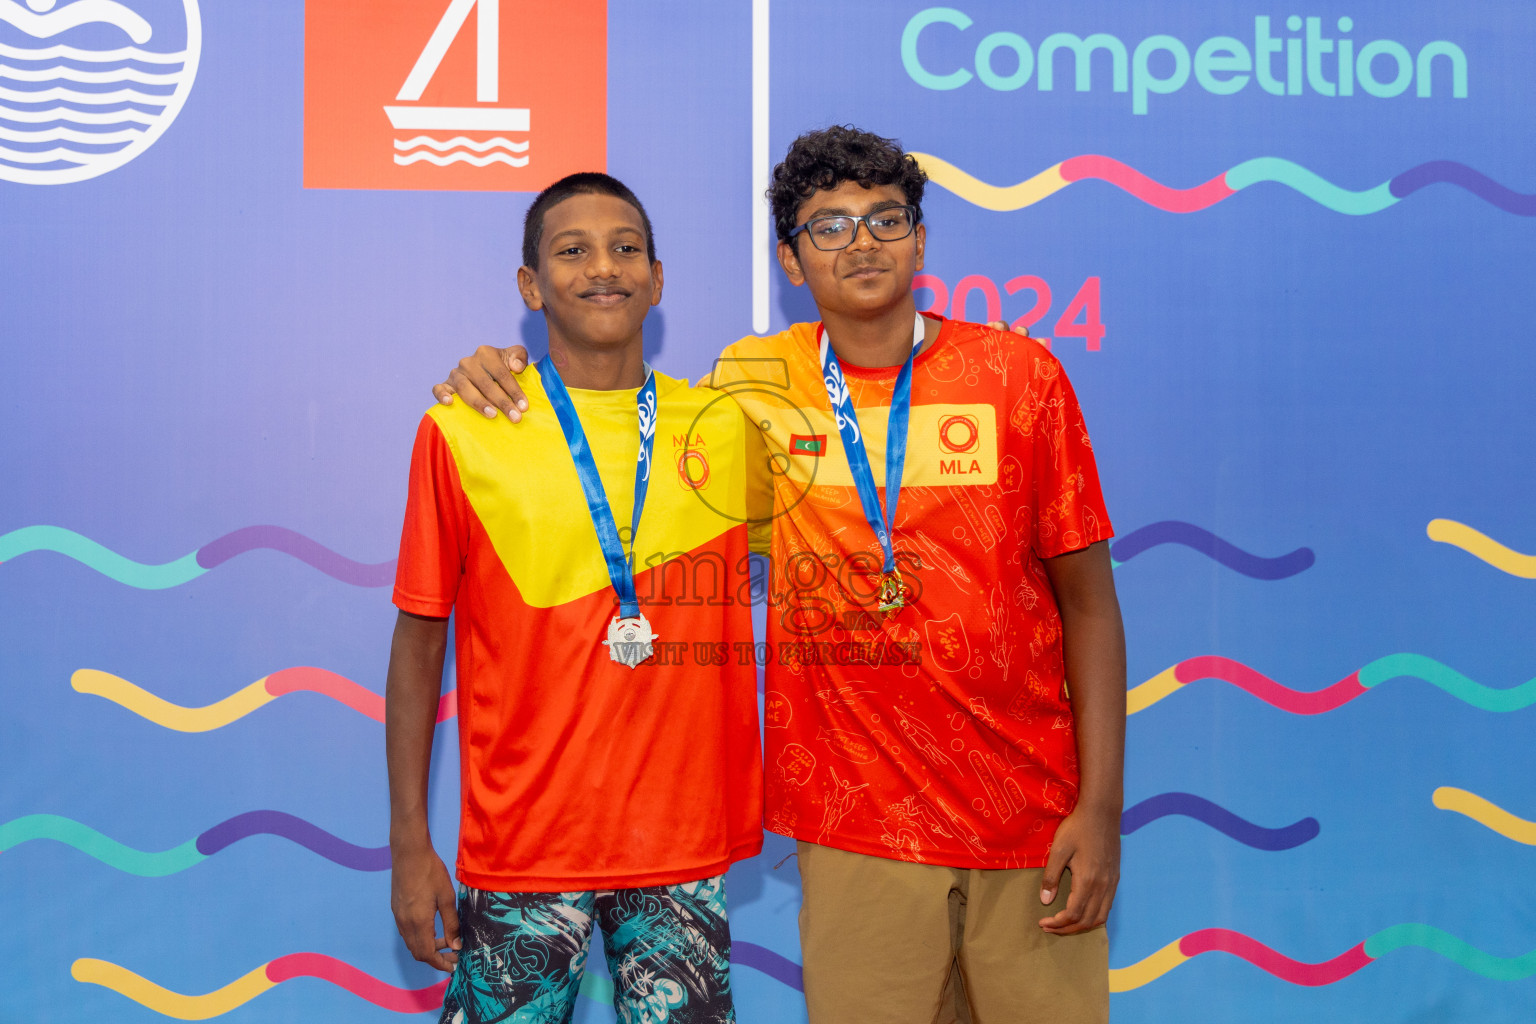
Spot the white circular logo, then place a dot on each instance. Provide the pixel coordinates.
(87, 85)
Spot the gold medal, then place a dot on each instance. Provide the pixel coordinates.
(893, 592)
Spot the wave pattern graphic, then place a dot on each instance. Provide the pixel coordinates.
(1173, 531)
(69, 134)
(1486, 813)
(189, 567)
(289, 542)
(70, 115)
(1480, 545)
(444, 159)
(342, 974)
(242, 990)
(105, 98)
(461, 149)
(64, 73)
(295, 829)
(151, 864)
(35, 69)
(80, 110)
(123, 53)
(1220, 819)
(1315, 702)
(1299, 972)
(442, 145)
(1123, 979)
(1450, 172)
(366, 702)
(42, 156)
(145, 864)
(243, 701)
(1245, 175)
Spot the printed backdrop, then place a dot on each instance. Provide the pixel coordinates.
(1284, 254)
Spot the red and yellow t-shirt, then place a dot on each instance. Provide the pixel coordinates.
(578, 773)
(942, 734)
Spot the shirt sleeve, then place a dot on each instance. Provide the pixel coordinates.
(729, 372)
(434, 539)
(759, 492)
(1067, 500)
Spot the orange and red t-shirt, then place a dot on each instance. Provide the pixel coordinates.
(943, 733)
(577, 773)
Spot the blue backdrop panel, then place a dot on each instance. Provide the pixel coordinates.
(1298, 323)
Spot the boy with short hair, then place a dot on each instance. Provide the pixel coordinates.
(940, 550)
(600, 784)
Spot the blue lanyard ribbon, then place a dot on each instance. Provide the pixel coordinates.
(620, 572)
(882, 521)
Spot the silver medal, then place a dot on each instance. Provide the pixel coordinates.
(630, 640)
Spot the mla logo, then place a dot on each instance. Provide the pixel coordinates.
(959, 435)
(692, 460)
(87, 86)
(692, 469)
(490, 95)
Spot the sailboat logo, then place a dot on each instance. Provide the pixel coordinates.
(444, 147)
(447, 94)
(86, 86)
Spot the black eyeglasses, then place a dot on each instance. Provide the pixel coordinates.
(888, 225)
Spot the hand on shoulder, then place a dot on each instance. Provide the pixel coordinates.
(487, 381)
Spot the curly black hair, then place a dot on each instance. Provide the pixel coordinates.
(580, 183)
(826, 158)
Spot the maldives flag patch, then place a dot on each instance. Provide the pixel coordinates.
(808, 444)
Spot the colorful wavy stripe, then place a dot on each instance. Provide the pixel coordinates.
(1197, 538)
(243, 701)
(1486, 813)
(1299, 972)
(189, 567)
(242, 990)
(1140, 697)
(342, 974)
(1251, 172)
(145, 864)
(1123, 979)
(1480, 545)
(152, 864)
(1219, 818)
(1316, 702)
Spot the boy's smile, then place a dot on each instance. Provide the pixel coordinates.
(606, 295)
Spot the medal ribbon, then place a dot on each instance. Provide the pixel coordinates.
(620, 572)
(882, 521)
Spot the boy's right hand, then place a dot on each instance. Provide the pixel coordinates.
(487, 381)
(420, 890)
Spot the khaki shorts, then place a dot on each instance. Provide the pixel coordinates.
(891, 942)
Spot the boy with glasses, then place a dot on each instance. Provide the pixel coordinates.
(941, 573)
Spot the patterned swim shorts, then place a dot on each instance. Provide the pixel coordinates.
(524, 953)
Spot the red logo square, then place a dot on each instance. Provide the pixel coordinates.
(485, 95)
